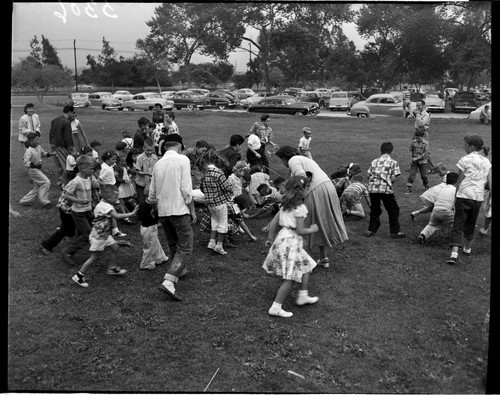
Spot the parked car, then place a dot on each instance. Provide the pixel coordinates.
(292, 91)
(339, 101)
(199, 91)
(371, 91)
(168, 94)
(475, 115)
(147, 101)
(254, 99)
(243, 93)
(379, 104)
(123, 95)
(434, 101)
(189, 100)
(284, 104)
(311, 96)
(221, 100)
(105, 100)
(85, 87)
(79, 99)
(323, 92)
(465, 101)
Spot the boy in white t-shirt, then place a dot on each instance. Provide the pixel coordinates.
(443, 211)
(305, 143)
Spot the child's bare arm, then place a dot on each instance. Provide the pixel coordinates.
(116, 215)
(301, 230)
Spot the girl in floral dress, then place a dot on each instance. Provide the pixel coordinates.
(286, 257)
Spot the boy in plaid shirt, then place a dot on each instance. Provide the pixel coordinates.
(419, 156)
(218, 192)
(381, 176)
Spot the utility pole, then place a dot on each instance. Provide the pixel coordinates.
(76, 70)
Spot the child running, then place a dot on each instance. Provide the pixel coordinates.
(33, 161)
(286, 257)
(100, 235)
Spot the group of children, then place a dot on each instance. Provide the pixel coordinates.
(97, 194)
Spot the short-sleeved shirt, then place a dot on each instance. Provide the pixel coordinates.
(289, 218)
(80, 188)
(475, 168)
(380, 172)
(445, 200)
(102, 223)
(144, 163)
(70, 163)
(254, 141)
(107, 174)
(305, 143)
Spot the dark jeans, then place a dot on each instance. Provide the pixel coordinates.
(179, 234)
(139, 191)
(466, 213)
(252, 159)
(67, 228)
(414, 168)
(391, 207)
(263, 158)
(83, 226)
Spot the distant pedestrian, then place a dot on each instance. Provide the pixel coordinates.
(305, 143)
(406, 102)
(419, 155)
(28, 123)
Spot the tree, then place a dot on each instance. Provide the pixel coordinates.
(212, 29)
(44, 53)
(30, 74)
(153, 50)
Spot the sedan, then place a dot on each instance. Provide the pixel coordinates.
(189, 100)
(168, 94)
(434, 102)
(221, 100)
(284, 104)
(379, 104)
(243, 93)
(245, 103)
(147, 101)
(475, 115)
(123, 95)
(105, 100)
(78, 99)
(314, 97)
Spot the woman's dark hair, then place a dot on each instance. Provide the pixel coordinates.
(286, 152)
(129, 160)
(28, 106)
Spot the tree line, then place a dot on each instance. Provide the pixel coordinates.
(297, 44)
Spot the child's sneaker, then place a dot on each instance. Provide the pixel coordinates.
(306, 299)
(325, 262)
(421, 239)
(45, 251)
(219, 250)
(116, 271)
(80, 281)
(280, 313)
(483, 232)
(211, 245)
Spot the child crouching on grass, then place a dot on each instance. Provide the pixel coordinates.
(287, 257)
(100, 235)
(152, 252)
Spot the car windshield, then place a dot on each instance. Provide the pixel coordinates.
(154, 96)
(338, 95)
(434, 95)
(105, 95)
(290, 100)
(79, 96)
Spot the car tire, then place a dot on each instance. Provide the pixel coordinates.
(103, 107)
(120, 109)
(321, 105)
(178, 108)
(221, 106)
(190, 107)
(362, 115)
(299, 114)
(130, 109)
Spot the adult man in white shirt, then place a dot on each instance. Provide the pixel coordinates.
(171, 191)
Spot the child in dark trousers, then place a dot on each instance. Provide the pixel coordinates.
(152, 252)
(382, 173)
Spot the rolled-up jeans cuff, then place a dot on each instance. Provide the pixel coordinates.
(171, 277)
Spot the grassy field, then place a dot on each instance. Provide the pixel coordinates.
(392, 316)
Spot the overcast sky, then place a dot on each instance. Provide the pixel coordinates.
(119, 23)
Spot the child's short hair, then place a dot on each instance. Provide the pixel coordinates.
(108, 154)
(108, 190)
(202, 144)
(386, 148)
(420, 132)
(31, 136)
(152, 125)
(95, 143)
(307, 130)
(451, 178)
(243, 201)
(236, 139)
(170, 114)
(357, 177)
(240, 165)
(126, 133)
(121, 145)
(263, 189)
(142, 121)
(256, 169)
(149, 143)
(84, 162)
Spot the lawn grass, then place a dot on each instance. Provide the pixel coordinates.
(392, 316)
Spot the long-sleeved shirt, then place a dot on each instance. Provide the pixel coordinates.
(216, 187)
(60, 134)
(419, 151)
(171, 187)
